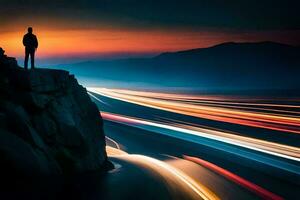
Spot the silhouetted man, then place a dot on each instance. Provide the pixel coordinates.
(31, 43)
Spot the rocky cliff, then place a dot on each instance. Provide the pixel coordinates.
(48, 124)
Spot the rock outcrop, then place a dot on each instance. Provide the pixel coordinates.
(48, 123)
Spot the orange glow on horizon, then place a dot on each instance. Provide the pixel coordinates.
(81, 42)
(85, 42)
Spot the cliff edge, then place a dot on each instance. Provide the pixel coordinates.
(48, 124)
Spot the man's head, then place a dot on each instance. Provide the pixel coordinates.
(29, 29)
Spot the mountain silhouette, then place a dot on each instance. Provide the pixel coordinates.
(227, 66)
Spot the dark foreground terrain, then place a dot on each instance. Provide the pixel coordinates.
(50, 131)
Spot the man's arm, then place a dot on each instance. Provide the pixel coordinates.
(24, 41)
(36, 42)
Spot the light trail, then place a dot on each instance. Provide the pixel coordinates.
(212, 99)
(246, 112)
(114, 142)
(111, 151)
(202, 191)
(265, 194)
(169, 172)
(97, 98)
(268, 120)
(274, 149)
(198, 188)
(206, 98)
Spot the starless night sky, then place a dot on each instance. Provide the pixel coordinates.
(114, 28)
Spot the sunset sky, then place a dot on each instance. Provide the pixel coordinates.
(111, 29)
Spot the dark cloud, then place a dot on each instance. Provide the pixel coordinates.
(195, 14)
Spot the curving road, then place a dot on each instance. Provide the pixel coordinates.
(182, 146)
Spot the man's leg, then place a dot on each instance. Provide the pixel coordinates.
(26, 60)
(32, 59)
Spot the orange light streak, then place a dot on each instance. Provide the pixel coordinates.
(268, 120)
(272, 148)
(265, 194)
(172, 174)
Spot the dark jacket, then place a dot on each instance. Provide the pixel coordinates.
(30, 41)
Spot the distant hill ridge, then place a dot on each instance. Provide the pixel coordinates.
(227, 66)
(264, 44)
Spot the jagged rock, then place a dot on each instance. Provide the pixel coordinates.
(18, 122)
(2, 120)
(9, 62)
(49, 125)
(21, 157)
(54, 81)
(33, 100)
(1, 52)
(45, 125)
